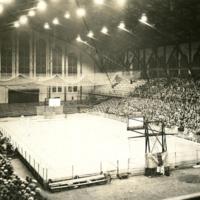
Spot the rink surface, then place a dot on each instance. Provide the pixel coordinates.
(82, 144)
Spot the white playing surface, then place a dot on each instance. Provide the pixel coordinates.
(83, 144)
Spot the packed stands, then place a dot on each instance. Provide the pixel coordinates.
(11, 186)
(174, 101)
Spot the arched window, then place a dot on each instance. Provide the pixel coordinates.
(41, 57)
(6, 56)
(57, 60)
(72, 64)
(24, 53)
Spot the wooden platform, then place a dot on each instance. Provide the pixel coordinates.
(59, 185)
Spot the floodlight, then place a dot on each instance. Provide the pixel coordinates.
(31, 13)
(16, 24)
(42, 5)
(122, 26)
(46, 26)
(1, 8)
(143, 18)
(90, 34)
(67, 15)
(99, 2)
(23, 19)
(55, 21)
(104, 30)
(80, 12)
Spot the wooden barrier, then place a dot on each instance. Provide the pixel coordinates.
(48, 111)
(78, 182)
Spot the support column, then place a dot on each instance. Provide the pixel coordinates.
(66, 62)
(0, 58)
(178, 59)
(35, 38)
(190, 54)
(17, 55)
(63, 61)
(165, 60)
(81, 66)
(13, 53)
(146, 73)
(31, 55)
(65, 93)
(50, 59)
(47, 56)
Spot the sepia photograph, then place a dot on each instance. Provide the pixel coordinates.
(99, 99)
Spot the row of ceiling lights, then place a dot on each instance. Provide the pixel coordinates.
(105, 30)
(81, 12)
(42, 6)
(23, 20)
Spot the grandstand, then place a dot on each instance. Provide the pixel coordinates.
(98, 90)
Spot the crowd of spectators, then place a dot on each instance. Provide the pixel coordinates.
(11, 186)
(175, 101)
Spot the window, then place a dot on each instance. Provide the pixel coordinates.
(59, 89)
(57, 60)
(75, 89)
(24, 53)
(69, 89)
(41, 57)
(53, 89)
(72, 64)
(6, 56)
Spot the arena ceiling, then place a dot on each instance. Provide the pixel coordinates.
(168, 21)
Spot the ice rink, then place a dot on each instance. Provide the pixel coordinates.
(83, 144)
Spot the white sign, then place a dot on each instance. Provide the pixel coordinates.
(136, 123)
(54, 102)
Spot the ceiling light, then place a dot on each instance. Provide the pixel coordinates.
(121, 3)
(80, 12)
(46, 26)
(42, 5)
(90, 34)
(56, 21)
(143, 18)
(31, 13)
(16, 24)
(67, 15)
(1, 8)
(78, 39)
(99, 2)
(104, 30)
(23, 19)
(6, 1)
(122, 26)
